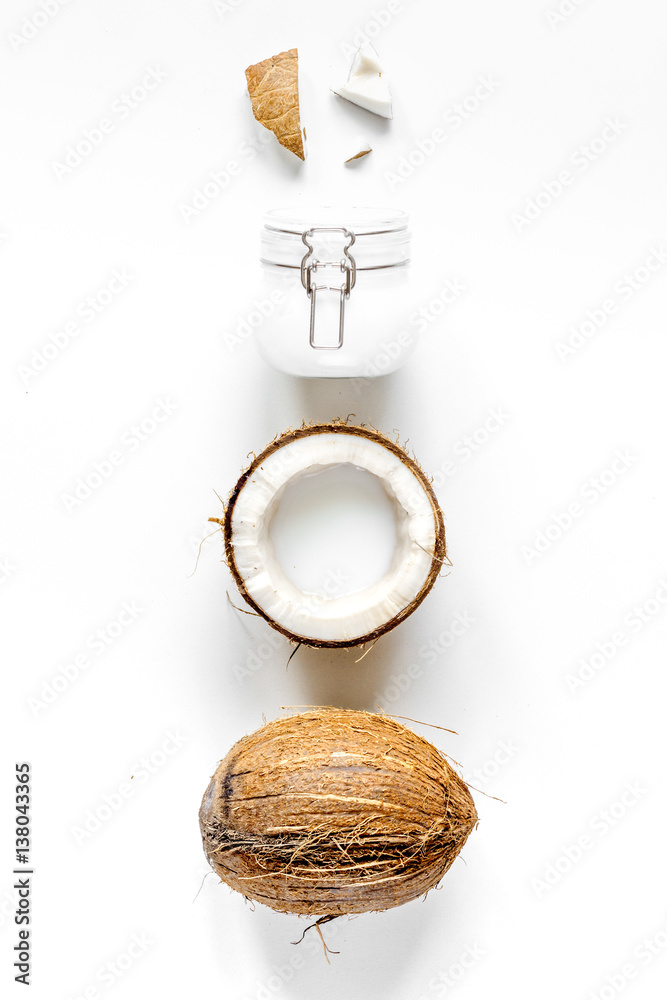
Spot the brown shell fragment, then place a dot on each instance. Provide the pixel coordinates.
(273, 85)
(358, 156)
(334, 811)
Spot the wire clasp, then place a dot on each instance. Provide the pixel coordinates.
(323, 276)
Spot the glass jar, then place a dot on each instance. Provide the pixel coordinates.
(335, 288)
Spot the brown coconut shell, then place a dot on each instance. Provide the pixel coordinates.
(334, 811)
(273, 85)
(439, 555)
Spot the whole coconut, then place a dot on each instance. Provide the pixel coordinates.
(334, 811)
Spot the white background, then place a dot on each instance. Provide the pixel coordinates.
(538, 923)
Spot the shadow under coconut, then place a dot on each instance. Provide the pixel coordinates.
(385, 953)
(364, 400)
(345, 678)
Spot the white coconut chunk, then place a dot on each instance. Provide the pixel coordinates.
(367, 86)
(347, 618)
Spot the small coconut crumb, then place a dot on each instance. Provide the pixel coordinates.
(362, 147)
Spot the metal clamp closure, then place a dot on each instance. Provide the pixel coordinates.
(345, 268)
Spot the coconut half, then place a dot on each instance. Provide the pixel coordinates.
(347, 619)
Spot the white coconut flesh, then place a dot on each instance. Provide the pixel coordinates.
(332, 618)
(366, 85)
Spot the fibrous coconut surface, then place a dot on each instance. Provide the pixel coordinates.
(334, 811)
(273, 85)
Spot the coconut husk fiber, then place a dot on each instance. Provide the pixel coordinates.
(334, 811)
(273, 85)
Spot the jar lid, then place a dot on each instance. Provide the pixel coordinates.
(381, 235)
